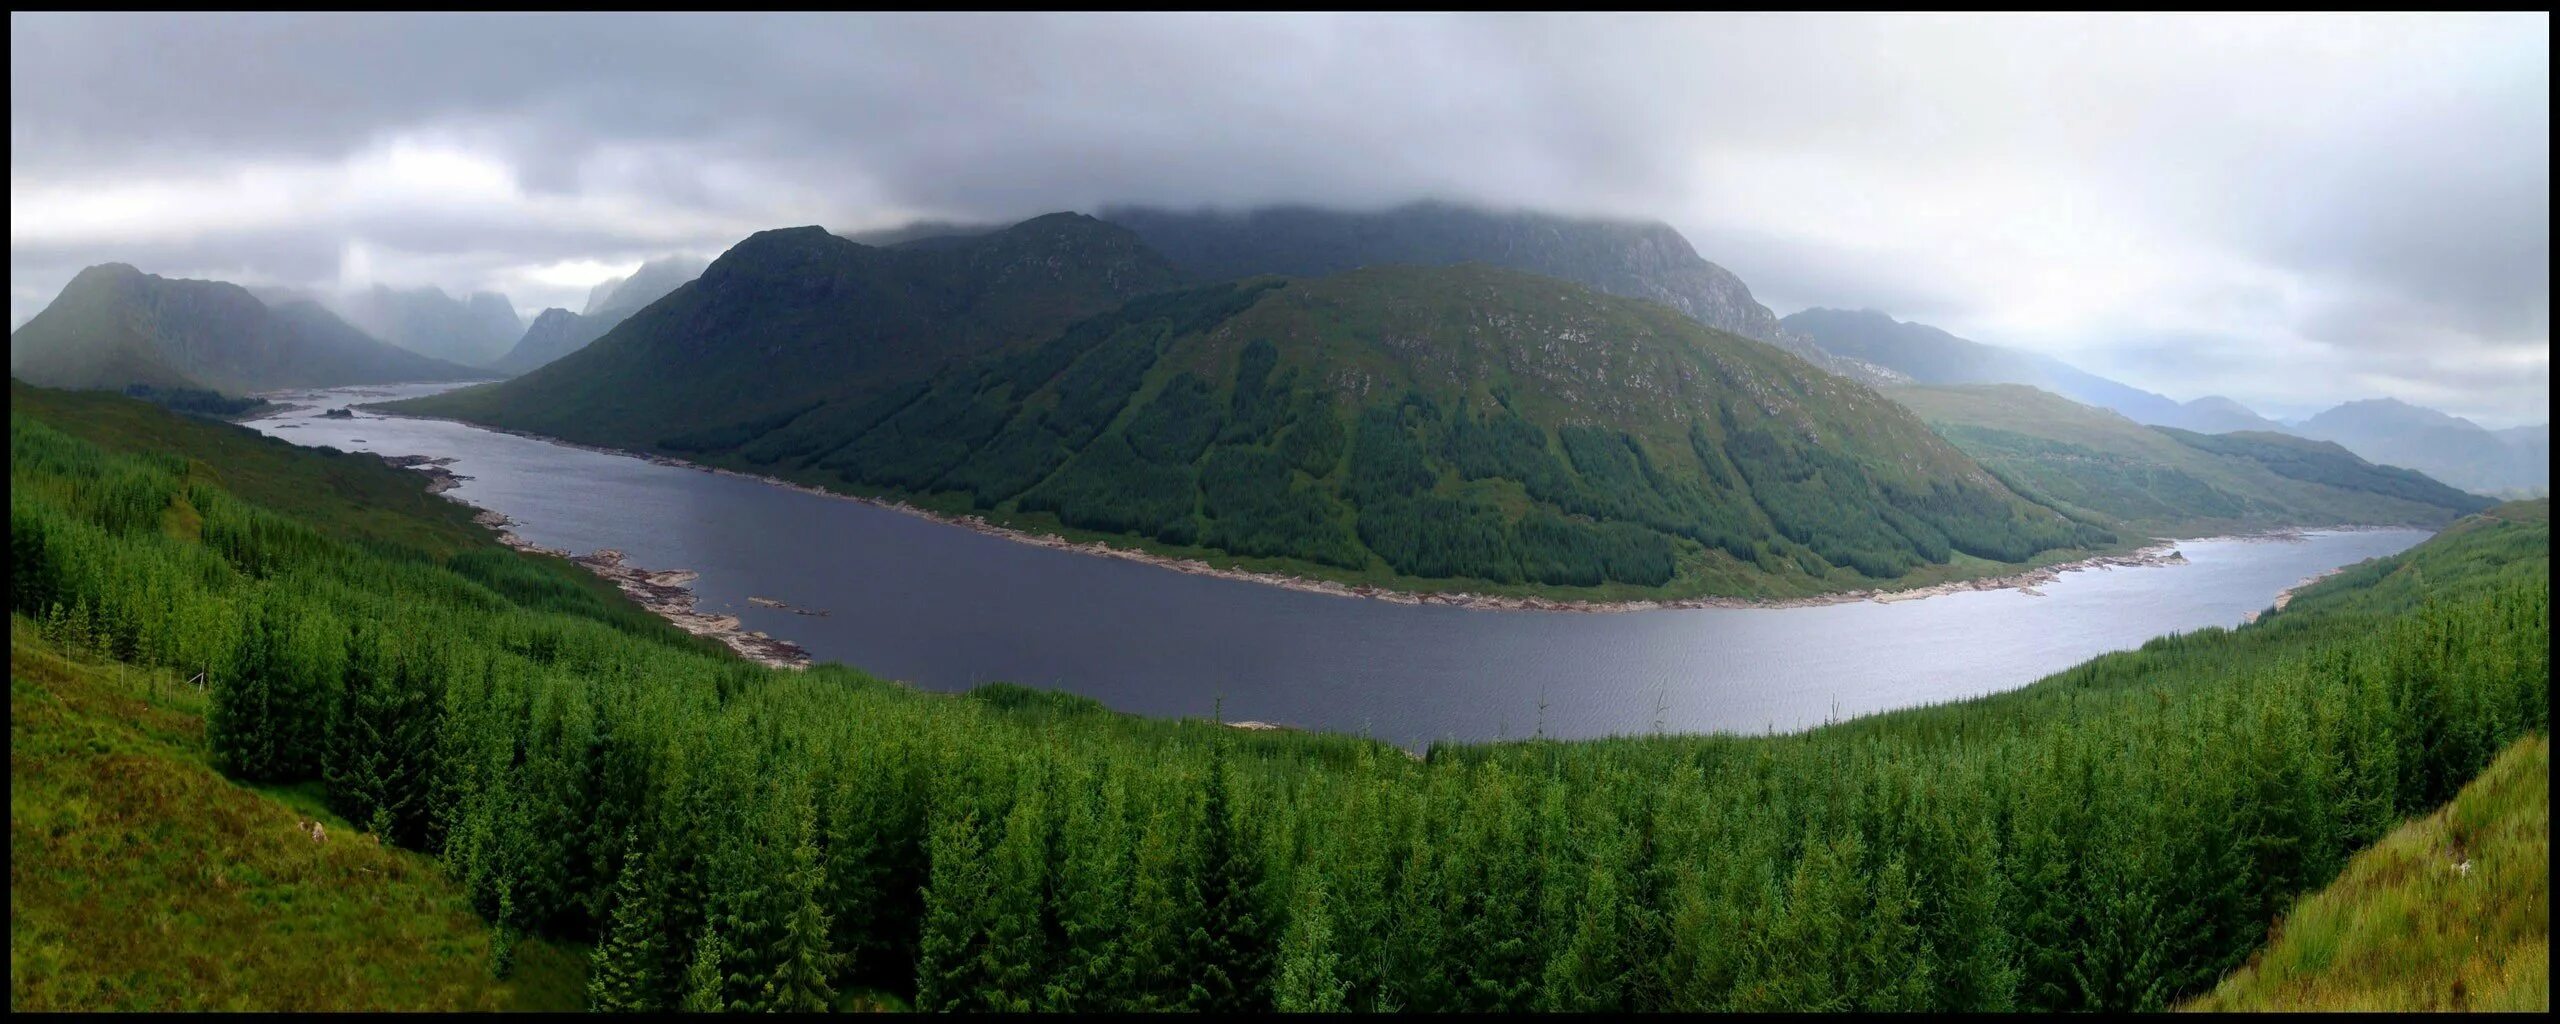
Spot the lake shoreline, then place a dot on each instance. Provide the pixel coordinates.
(2161, 552)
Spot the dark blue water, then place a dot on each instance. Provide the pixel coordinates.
(946, 608)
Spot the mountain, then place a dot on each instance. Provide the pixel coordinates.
(1428, 427)
(2170, 482)
(622, 296)
(2532, 450)
(1635, 259)
(2449, 448)
(793, 316)
(114, 326)
(558, 332)
(555, 333)
(2214, 414)
(474, 331)
(1928, 355)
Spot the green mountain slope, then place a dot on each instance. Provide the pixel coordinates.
(2150, 480)
(1422, 426)
(2117, 837)
(790, 317)
(2451, 912)
(115, 326)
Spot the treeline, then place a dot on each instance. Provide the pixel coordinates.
(733, 837)
(197, 401)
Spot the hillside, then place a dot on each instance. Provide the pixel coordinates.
(2101, 463)
(2116, 837)
(2450, 913)
(790, 317)
(140, 879)
(114, 326)
(2448, 448)
(1633, 259)
(1424, 428)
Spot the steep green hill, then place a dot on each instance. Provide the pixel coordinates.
(140, 879)
(2117, 837)
(2150, 480)
(790, 317)
(114, 326)
(1424, 427)
(2448, 913)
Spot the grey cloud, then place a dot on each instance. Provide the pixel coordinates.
(2399, 162)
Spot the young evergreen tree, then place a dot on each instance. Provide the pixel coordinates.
(804, 966)
(952, 969)
(623, 973)
(1309, 980)
(1232, 944)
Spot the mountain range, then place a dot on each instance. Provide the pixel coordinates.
(2166, 481)
(557, 332)
(1492, 376)
(114, 326)
(474, 331)
(2385, 431)
(2449, 448)
(1399, 423)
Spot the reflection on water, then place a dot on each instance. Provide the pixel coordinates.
(947, 608)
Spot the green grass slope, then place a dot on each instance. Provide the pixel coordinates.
(140, 879)
(1438, 428)
(2164, 482)
(2448, 913)
(2117, 837)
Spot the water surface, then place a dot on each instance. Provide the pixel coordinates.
(946, 608)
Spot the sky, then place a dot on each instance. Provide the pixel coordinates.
(2289, 210)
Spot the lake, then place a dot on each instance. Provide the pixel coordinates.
(946, 608)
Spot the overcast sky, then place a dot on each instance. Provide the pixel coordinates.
(2289, 210)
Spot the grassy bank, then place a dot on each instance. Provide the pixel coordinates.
(2449, 912)
(141, 879)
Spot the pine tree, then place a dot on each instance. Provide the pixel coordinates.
(1231, 945)
(623, 976)
(803, 965)
(951, 958)
(706, 981)
(1310, 980)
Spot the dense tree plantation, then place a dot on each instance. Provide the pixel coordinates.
(1322, 423)
(733, 837)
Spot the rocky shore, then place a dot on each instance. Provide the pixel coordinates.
(2285, 597)
(439, 479)
(665, 593)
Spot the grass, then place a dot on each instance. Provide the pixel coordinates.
(351, 496)
(141, 879)
(2408, 927)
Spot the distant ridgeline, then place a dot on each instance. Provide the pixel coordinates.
(2170, 481)
(727, 836)
(1442, 423)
